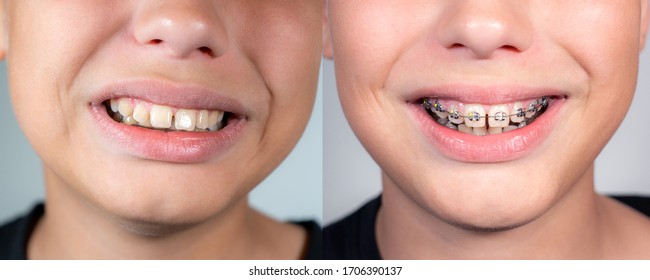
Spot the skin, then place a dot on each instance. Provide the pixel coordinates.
(106, 204)
(540, 206)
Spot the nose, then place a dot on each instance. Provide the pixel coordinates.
(485, 27)
(181, 28)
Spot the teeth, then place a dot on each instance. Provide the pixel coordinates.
(464, 129)
(141, 115)
(480, 131)
(124, 107)
(518, 113)
(164, 117)
(495, 130)
(532, 109)
(129, 120)
(509, 128)
(202, 121)
(474, 115)
(498, 116)
(451, 125)
(114, 105)
(161, 116)
(454, 115)
(185, 120)
(214, 120)
(443, 121)
(474, 120)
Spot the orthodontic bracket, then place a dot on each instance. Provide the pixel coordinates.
(534, 107)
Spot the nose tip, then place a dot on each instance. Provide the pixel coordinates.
(181, 31)
(484, 31)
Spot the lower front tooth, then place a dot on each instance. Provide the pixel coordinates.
(129, 120)
(480, 131)
(464, 129)
(509, 128)
(160, 116)
(495, 130)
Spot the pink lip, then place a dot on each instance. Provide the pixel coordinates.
(177, 147)
(507, 146)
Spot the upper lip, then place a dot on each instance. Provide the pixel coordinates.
(469, 93)
(186, 96)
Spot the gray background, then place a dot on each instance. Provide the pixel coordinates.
(293, 191)
(352, 177)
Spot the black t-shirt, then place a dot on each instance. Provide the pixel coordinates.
(15, 235)
(353, 238)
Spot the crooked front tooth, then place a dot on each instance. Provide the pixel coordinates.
(474, 115)
(141, 115)
(185, 119)
(161, 116)
(124, 107)
(498, 116)
(214, 120)
(518, 113)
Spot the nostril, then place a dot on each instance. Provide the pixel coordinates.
(207, 51)
(155, 42)
(510, 48)
(456, 45)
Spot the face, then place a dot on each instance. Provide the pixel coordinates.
(548, 83)
(161, 111)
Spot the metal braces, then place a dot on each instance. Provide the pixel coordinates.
(534, 107)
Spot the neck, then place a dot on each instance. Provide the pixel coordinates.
(73, 228)
(570, 229)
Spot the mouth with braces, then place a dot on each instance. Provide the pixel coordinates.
(473, 119)
(139, 113)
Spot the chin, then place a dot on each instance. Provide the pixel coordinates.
(484, 203)
(157, 208)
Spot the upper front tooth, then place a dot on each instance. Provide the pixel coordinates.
(213, 120)
(454, 115)
(202, 121)
(161, 116)
(114, 105)
(474, 115)
(124, 107)
(518, 113)
(185, 119)
(498, 116)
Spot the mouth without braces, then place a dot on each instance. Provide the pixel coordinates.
(143, 114)
(500, 118)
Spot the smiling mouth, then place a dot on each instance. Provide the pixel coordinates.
(148, 115)
(482, 120)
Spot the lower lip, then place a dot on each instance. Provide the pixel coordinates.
(502, 147)
(175, 147)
